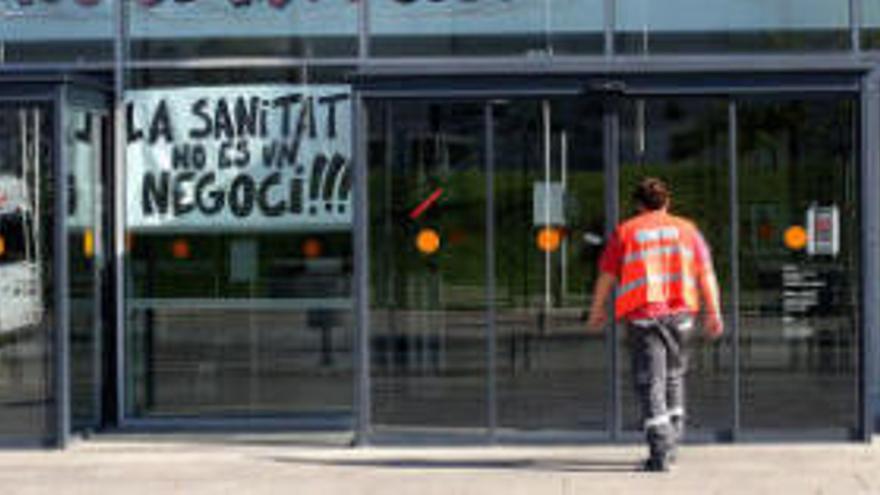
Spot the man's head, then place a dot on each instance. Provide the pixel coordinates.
(651, 194)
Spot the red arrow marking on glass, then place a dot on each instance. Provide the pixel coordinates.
(418, 210)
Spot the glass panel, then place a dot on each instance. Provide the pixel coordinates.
(85, 147)
(550, 218)
(685, 142)
(870, 24)
(165, 29)
(428, 273)
(799, 263)
(485, 27)
(53, 31)
(26, 277)
(239, 241)
(696, 26)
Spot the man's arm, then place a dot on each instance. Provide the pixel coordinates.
(712, 307)
(601, 294)
(708, 285)
(609, 266)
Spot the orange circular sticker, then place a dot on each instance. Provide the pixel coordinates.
(312, 248)
(795, 237)
(180, 249)
(428, 241)
(548, 239)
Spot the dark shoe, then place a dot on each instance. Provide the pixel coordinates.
(656, 464)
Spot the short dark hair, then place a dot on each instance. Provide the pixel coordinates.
(651, 193)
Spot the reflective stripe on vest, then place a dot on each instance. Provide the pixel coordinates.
(656, 279)
(659, 234)
(663, 250)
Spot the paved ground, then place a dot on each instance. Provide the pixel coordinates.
(278, 464)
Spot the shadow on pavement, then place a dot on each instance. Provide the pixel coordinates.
(552, 465)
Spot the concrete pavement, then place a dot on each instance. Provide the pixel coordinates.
(257, 464)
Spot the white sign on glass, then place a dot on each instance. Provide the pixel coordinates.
(239, 158)
(823, 230)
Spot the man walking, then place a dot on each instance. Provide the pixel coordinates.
(662, 267)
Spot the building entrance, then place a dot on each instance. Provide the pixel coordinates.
(52, 152)
(486, 220)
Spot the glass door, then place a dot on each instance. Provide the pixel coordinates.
(550, 225)
(486, 222)
(800, 264)
(429, 332)
(487, 219)
(685, 141)
(28, 312)
(85, 148)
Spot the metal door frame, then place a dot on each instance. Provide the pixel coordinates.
(96, 101)
(57, 93)
(399, 85)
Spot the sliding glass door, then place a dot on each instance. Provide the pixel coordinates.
(487, 218)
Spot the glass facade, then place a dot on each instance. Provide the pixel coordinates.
(163, 30)
(83, 31)
(68, 31)
(449, 334)
(870, 24)
(799, 332)
(700, 26)
(238, 229)
(212, 249)
(27, 278)
(485, 28)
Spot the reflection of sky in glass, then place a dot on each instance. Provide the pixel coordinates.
(699, 15)
(487, 16)
(52, 21)
(212, 18)
(871, 13)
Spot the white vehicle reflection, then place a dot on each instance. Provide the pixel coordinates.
(20, 266)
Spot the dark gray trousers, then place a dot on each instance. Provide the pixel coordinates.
(659, 353)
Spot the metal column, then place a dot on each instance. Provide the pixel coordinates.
(855, 24)
(491, 380)
(870, 218)
(611, 153)
(60, 266)
(734, 310)
(361, 271)
(610, 25)
(363, 30)
(118, 195)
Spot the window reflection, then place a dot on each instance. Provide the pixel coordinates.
(486, 28)
(799, 303)
(428, 327)
(701, 26)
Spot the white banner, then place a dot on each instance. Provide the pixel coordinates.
(239, 158)
(84, 148)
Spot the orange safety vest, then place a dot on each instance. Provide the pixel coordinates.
(658, 263)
